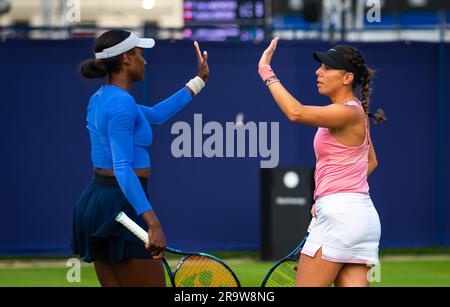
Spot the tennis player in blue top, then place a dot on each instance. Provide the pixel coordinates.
(120, 135)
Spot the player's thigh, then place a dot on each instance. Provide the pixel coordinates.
(141, 273)
(353, 275)
(316, 272)
(106, 273)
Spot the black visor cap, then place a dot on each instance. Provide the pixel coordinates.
(325, 58)
(332, 58)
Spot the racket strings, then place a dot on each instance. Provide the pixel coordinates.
(199, 271)
(203, 271)
(283, 275)
(194, 271)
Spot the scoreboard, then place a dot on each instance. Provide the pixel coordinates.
(221, 20)
(224, 12)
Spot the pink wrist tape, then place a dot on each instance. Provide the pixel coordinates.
(265, 71)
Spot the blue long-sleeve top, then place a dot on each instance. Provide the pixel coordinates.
(120, 135)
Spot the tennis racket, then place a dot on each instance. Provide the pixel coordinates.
(194, 269)
(282, 273)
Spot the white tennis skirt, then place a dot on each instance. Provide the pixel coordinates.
(347, 229)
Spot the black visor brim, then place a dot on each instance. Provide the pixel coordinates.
(325, 58)
(336, 61)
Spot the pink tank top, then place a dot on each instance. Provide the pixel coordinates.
(340, 168)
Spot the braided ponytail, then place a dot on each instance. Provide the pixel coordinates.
(364, 94)
(366, 89)
(356, 58)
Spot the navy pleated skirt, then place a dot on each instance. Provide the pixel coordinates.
(96, 234)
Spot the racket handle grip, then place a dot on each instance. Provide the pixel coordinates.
(123, 219)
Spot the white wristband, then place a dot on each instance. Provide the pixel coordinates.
(196, 85)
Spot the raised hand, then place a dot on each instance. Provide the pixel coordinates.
(267, 55)
(202, 63)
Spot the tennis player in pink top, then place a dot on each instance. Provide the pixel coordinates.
(343, 243)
